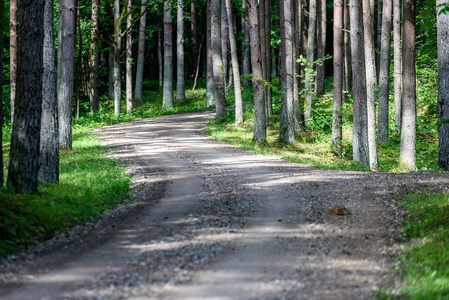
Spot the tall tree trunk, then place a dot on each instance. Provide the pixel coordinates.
(360, 125)
(217, 61)
(65, 68)
(141, 53)
(129, 58)
(384, 74)
(224, 43)
(269, 99)
(168, 57)
(297, 115)
(287, 123)
(408, 133)
(337, 135)
(2, 176)
(397, 64)
(94, 58)
(160, 59)
(235, 67)
(347, 74)
(321, 46)
(111, 72)
(370, 68)
(443, 86)
(117, 59)
(310, 60)
(78, 64)
(25, 138)
(13, 20)
(194, 41)
(263, 50)
(260, 133)
(180, 78)
(210, 95)
(379, 31)
(246, 56)
(49, 143)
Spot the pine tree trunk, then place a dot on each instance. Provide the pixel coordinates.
(384, 74)
(160, 59)
(111, 72)
(13, 20)
(129, 60)
(260, 133)
(194, 40)
(180, 78)
(370, 69)
(407, 158)
(269, 99)
(224, 43)
(49, 143)
(210, 96)
(94, 58)
(321, 46)
(360, 125)
(246, 56)
(443, 86)
(337, 135)
(397, 64)
(66, 54)
(297, 115)
(217, 60)
(141, 53)
(347, 74)
(117, 59)
(2, 176)
(379, 31)
(167, 100)
(310, 60)
(263, 50)
(25, 138)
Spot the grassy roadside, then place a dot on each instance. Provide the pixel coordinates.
(90, 182)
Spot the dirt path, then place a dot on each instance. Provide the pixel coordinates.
(221, 223)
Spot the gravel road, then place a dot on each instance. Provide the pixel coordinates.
(218, 222)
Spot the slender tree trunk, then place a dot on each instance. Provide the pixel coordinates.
(224, 43)
(310, 60)
(129, 60)
(296, 12)
(2, 175)
(94, 58)
(25, 139)
(263, 50)
(168, 57)
(360, 125)
(370, 68)
(141, 53)
(337, 135)
(287, 123)
(321, 46)
(246, 56)
(408, 133)
(397, 64)
(160, 59)
(49, 143)
(443, 86)
(235, 67)
(111, 72)
(304, 42)
(347, 74)
(384, 74)
(13, 20)
(217, 61)
(78, 64)
(379, 31)
(274, 66)
(66, 54)
(269, 99)
(260, 133)
(210, 96)
(194, 30)
(117, 59)
(180, 78)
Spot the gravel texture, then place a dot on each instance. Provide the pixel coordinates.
(211, 221)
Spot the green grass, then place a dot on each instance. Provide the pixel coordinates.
(90, 181)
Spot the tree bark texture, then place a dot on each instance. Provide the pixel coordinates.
(360, 125)
(263, 51)
(49, 140)
(168, 57)
(180, 78)
(321, 46)
(384, 73)
(24, 154)
(443, 86)
(111, 72)
(269, 99)
(397, 64)
(65, 68)
(311, 34)
(347, 73)
(160, 59)
(378, 31)
(246, 56)
(337, 135)
(129, 60)
(260, 133)
(297, 16)
(13, 20)
(2, 176)
(194, 40)
(141, 53)
(370, 69)
(94, 58)
(217, 60)
(408, 133)
(224, 43)
(117, 59)
(210, 95)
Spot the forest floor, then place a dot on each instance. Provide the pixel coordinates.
(219, 222)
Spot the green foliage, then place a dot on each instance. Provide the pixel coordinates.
(309, 70)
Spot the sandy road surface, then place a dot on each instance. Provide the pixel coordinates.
(219, 222)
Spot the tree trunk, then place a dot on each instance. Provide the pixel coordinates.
(443, 86)
(370, 69)
(310, 60)
(224, 43)
(141, 53)
(287, 122)
(246, 56)
(117, 59)
(263, 51)
(297, 115)
(13, 20)
(2, 176)
(347, 74)
(269, 99)
(168, 57)
(337, 135)
(66, 54)
(260, 133)
(49, 143)
(379, 31)
(194, 30)
(160, 59)
(407, 158)
(235, 67)
(384, 74)
(111, 72)
(180, 78)
(78, 64)
(94, 58)
(321, 46)
(360, 125)
(25, 138)
(397, 64)
(210, 96)
(217, 61)
(129, 58)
